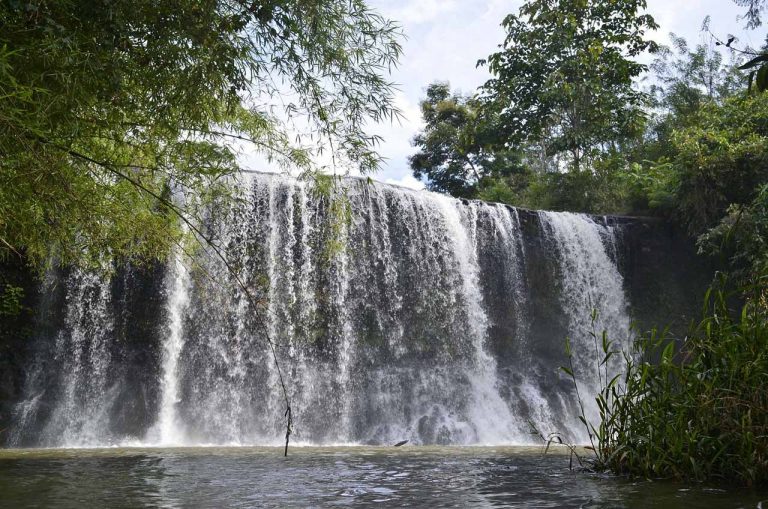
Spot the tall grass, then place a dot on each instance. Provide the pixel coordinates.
(690, 410)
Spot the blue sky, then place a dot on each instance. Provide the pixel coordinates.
(446, 37)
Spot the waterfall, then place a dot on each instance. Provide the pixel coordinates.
(167, 430)
(590, 282)
(415, 316)
(79, 357)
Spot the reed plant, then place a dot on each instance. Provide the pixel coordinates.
(694, 409)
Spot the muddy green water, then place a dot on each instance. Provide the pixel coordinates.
(334, 476)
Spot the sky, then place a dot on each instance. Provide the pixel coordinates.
(445, 38)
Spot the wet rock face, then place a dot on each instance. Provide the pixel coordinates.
(665, 278)
(139, 297)
(16, 330)
(422, 318)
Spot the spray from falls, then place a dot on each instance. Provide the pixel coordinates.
(422, 317)
(84, 400)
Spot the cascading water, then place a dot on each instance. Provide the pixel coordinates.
(416, 317)
(168, 430)
(82, 348)
(591, 283)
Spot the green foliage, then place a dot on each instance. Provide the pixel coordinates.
(511, 190)
(562, 191)
(563, 79)
(759, 76)
(685, 79)
(691, 411)
(720, 159)
(754, 9)
(599, 191)
(338, 210)
(110, 108)
(11, 301)
(444, 155)
(742, 236)
(457, 154)
(710, 163)
(651, 186)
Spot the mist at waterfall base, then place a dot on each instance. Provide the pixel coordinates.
(422, 318)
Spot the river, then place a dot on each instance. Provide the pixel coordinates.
(410, 476)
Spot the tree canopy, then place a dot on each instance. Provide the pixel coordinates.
(108, 108)
(457, 152)
(563, 77)
(754, 11)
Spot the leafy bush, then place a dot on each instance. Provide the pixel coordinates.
(742, 237)
(720, 160)
(650, 186)
(11, 298)
(596, 191)
(691, 411)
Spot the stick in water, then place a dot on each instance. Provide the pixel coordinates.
(288, 428)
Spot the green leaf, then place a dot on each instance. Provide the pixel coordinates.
(668, 352)
(754, 62)
(761, 79)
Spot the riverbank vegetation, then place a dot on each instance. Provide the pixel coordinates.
(696, 410)
(570, 120)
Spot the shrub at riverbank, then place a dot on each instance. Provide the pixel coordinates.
(695, 411)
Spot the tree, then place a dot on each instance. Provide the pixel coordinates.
(687, 78)
(684, 79)
(720, 160)
(563, 78)
(108, 108)
(758, 64)
(754, 9)
(457, 153)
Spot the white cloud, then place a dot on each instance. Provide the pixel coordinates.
(408, 181)
(410, 13)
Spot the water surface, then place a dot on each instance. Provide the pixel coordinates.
(332, 476)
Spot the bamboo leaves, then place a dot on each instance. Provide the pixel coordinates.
(169, 94)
